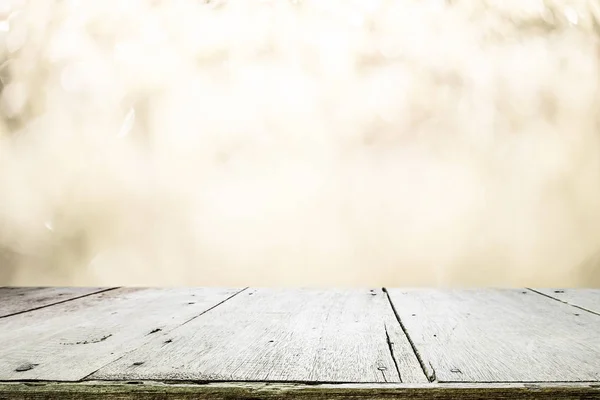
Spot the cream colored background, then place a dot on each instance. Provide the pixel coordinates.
(300, 143)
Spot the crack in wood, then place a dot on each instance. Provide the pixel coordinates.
(563, 301)
(58, 302)
(433, 377)
(211, 308)
(102, 339)
(185, 322)
(391, 348)
(430, 377)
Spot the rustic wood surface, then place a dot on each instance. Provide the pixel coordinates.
(281, 335)
(15, 300)
(499, 335)
(71, 340)
(587, 299)
(138, 343)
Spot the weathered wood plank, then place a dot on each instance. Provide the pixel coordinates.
(71, 340)
(261, 391)
(14, 300)
(587, 299)
(499, 335)
(281, 335)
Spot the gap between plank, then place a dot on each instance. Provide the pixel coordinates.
(208, 309)
(58, 302)
(430, 378)
(563, 301)
(177, 327)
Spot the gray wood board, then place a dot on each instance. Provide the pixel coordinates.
(499, 335)
(587, 299)
(229, 391)
(69, 341)
(15, 300)
(281, 335)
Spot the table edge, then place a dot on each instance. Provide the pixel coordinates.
(291, 391)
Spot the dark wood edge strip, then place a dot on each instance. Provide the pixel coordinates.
(59, 302)
(272, 391)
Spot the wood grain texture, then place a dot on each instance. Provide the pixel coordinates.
(281, 335)
(586, 299)
(155, 391)
(500, 335)
(14, 300)
(69, 341)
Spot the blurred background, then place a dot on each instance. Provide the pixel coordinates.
(282, 142)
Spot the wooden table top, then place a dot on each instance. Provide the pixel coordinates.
(225, 343)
